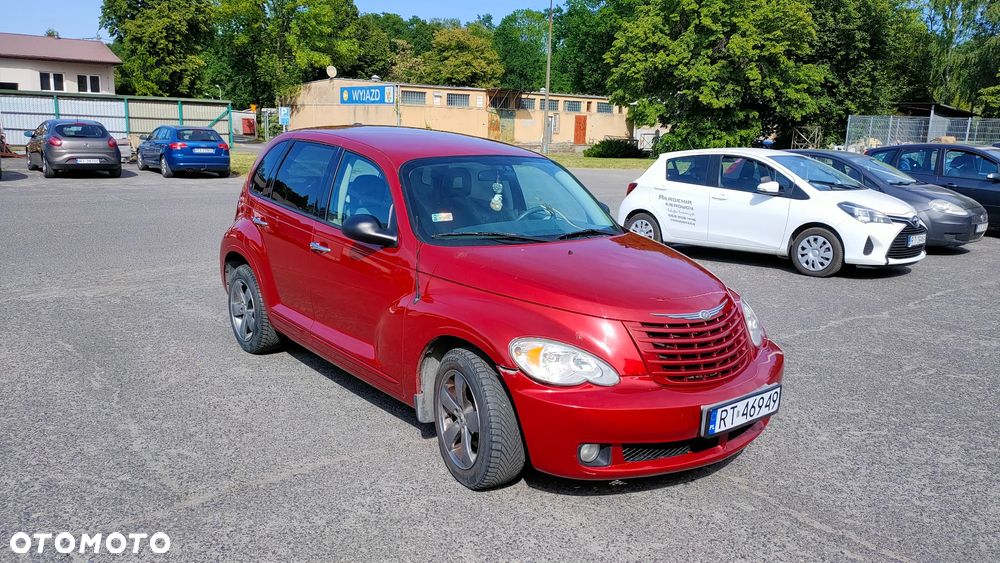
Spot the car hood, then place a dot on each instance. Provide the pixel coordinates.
(624, 277)
(870, 198)
(920, 196)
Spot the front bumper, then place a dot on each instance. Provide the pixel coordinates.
(873, 245)
(949, 230)
(637, 415)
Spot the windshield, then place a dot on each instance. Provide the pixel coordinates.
(499, 200)
(995, 153)
(887, 173)
(819, 175)
(198, 135)
(81, 130)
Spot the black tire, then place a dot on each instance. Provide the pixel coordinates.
(828, 257)
(138, 162)
(165, 168)
(499, 456)
(225, 173)
(47, 170)
(261, 338)
(653, 232)
(115, 173)
(30, 165)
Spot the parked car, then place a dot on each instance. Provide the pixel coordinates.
(485, 286)
(970, 170)
(59, 145)
(952, 219)
(773, 202)
(179, 148)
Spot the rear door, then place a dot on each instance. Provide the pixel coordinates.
(966, 172)
(739, 216)
(680, 200)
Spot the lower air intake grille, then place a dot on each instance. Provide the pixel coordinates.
(649, 452)
(900, 248)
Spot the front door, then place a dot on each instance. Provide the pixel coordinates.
(360, 293)
(919, 162)
(680, 200)
(739, 216)
(580, 130)
(966, 172)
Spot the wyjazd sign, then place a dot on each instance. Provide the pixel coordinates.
(367, 95)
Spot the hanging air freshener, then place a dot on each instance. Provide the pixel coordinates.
(496, 204)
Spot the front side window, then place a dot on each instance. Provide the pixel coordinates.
(498, 200)
(361, 189)
(303, 177)
(745, 174)
(265, 170)
(887, 173)
(918, 160)
(689, 169)
(962, 164)
(817, 174)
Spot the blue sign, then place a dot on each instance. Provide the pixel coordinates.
(284, 115)
(368, 95)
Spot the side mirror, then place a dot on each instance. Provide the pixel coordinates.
(365, 228)
(771, 187)
(29, 134)
(993, 177)
(143, 137)
(605, 207)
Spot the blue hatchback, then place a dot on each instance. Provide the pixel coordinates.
(179, 148)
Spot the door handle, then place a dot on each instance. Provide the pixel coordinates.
(951, 185)
(259, 221)
(720, 196)
(317, 247)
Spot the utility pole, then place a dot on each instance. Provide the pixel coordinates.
(546, 128)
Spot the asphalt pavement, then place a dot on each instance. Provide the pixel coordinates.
(126, 405)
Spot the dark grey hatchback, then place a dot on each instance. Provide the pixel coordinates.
(952, 219)
(72, 144)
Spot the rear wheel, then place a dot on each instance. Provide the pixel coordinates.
(644, 224)
(116, 172)
(248, 315)
(225, 173)
(817, 252)
(478, 432)
(165, 168)
(31, 165)
(47, 170)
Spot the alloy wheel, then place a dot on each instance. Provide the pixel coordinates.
(242, 310)
(642, 227)
(458, 414)
(815, 253)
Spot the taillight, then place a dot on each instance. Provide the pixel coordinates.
(55, 141)
(175, 146)
(224, 146)
(631, 186)
(112, 142)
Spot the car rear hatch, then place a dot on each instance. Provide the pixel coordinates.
(200, 146)
(84, 143)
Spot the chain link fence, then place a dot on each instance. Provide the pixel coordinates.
(870, 131)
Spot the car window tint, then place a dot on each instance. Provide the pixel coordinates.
(963, 164)
(884, 156)
(81, 131)
(303, 176)
(689, 169)
(361, 189)
(265, 170)
(918, 160)
(745, 174)
(198, 135)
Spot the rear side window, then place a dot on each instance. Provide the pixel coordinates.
(689, 169)
(81, 130)
(265, 170)
(361, 190)
(198, 135)
(303, 177)
(921, 161)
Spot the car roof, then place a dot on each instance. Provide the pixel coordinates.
(195, 127)
(83, 121)
(846, 155)
(402, 144)
(735, 151)
(934, 145)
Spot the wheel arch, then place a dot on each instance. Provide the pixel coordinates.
(430, 360)
(810, 225)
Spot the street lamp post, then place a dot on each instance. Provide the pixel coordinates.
(546, 127)
(220, 91)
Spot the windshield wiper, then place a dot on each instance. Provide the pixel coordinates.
(837, 185)
(586, 233)
(495, 235)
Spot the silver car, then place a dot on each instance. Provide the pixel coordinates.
(73, 144)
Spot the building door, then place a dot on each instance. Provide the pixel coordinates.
(506, 125)
(493, 126)
(580, 130)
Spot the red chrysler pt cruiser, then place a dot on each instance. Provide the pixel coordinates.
(485, 286)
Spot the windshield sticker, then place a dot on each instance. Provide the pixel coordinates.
(441, 217)
(679, 210)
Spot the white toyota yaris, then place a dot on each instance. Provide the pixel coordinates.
(772, 202)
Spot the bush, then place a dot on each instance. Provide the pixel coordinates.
(614, 148)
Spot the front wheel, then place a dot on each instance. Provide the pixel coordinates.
(817, 252)
(644, 224)
(139, 162)
(247, 314)
(478, 432)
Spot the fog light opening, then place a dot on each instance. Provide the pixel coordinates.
(594, 455)
(589, 452)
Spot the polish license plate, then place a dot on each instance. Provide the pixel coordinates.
(88, 161)
(204, 151)
(981, 228)
(917, 240)
(723, 417)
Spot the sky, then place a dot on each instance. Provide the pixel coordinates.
(78, 18)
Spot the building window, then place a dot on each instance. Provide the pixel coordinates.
(437, 98)
(605, 107)
(553, 105)
(86, 83)
(51, 81)
(412, 98)
(8, 86)
(458, 100)
(571, 106)
(526, 103)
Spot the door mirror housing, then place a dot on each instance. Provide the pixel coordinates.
(771, 187)
(143, 137)
(29, 134)
(366, 228)
(605, 207)
(993, 177)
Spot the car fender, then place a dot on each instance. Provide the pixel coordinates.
(244, 238)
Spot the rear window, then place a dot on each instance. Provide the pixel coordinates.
(81, 130)
(198, 135)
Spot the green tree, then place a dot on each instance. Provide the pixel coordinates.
(462, 57)
(720, 72)
(963, 46)
(519, 41)
(374, 48)
(160, 43)
(584, 32)
(989, 99)
(406, 66)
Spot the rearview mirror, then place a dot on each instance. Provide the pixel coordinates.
(993, 177)
(366, 228)
(143, 137)
(771, 187)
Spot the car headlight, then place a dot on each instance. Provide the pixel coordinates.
(754, 329)
(942, 206)
(555, 363)
(864, 214)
